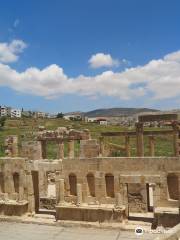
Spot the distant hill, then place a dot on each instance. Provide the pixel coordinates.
(107, 112)
(74, 113)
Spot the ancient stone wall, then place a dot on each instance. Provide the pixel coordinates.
(16, 192)
(101, 183)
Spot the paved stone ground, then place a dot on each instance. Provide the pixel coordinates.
(21, 231)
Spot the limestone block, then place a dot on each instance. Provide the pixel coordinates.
(89, 148)
(31, 150)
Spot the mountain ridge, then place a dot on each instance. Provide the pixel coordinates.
(115, 112)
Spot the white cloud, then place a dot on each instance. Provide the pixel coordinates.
(102, 60)
(158, 79)
(9, 51)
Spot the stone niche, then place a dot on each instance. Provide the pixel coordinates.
(137, 197)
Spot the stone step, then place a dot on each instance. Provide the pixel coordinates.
(44, 216)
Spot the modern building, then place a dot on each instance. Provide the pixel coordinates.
(15, 113)
(40, 115)
(73, 117)
(100, 120)
(10, 112)
(3, 111)
(90, 119)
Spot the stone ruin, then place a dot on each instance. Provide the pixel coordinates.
(11, 146)
(92, 187)
(38, 149)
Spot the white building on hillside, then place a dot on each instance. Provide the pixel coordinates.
(15, 113)
(40, 115)
(90, 119)
(100, 120)
(73, 117)
(3, 111)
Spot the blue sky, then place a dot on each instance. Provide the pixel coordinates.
(92, 54)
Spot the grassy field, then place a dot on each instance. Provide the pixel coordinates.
(25, 129)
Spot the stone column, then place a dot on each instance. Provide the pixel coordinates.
(139, 139)
(79, 194)
(151, 146)
(101, 139)
(43, 183)
(71, 149)
(61, 150)
(176, 138)
(118, 200)
(14, 146)
(57, 178)
(31, 199)
(156, 194)
(100, 186)
(124, 189)
(11, 145)
(9, 184)
(43, 147)
(163, 187)
(127, 146)
(61, 188)
(21, 185)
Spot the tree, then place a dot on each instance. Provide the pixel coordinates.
(2, 121)
(60, 115)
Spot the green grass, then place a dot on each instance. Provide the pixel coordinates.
(25, 128)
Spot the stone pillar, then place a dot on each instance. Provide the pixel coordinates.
(43, 183)
(11, 145)
(100, 186)
(71, 149)
(9, 184)
(101, 139)
(139, 139)
(14, 146)
(79, 194)
(21, 185)
(151, 146)
(127, 146)
(156, 194)
(124, 189)
(176, 138)
(118, 200)
(31, 199)
(61, 150)
(43, 147)
(57, 178)
(163, 187)
(61, 188)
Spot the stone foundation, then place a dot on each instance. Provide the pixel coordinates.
(14, 209)
(90, 214)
